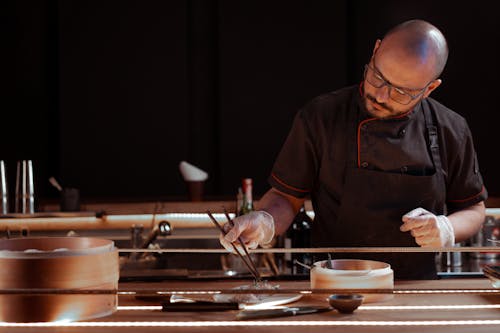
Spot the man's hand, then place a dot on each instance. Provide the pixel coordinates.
(255, 228)
(428, 229)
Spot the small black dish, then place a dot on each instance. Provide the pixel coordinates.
(345, 303)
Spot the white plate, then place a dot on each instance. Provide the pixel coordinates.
(257, 299)
(264, 301)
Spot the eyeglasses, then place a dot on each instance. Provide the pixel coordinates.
(399, 95)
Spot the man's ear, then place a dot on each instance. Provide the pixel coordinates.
(436, 83)
(375, 48)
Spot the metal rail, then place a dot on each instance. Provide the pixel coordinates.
(488, 249)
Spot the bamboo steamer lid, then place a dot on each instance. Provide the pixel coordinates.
(354, 274)
(66, 263)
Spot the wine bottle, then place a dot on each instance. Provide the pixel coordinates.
(300, 234)
(247, 204)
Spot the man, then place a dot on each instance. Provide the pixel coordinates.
(383, 163)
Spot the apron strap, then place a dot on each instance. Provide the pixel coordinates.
(433, 142)
(432, 136)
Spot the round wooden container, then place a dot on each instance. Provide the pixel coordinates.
(65, 263)
(354, 274)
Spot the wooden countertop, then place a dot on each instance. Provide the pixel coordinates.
(451, 311)
(187, 215)
(147, 207)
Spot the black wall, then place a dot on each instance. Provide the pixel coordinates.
(109, 96)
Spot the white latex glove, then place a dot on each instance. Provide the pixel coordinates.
(428, 229)
(255, 228)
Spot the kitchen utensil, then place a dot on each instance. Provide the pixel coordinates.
(52, 264)
(487, 236)
(353, 274)
(493, 273)
(280, 312)
(247, 260)
(163, 229)
(250, 260)
(302, 264)
(53, 181)
(25, 188)
(195, 179)
(329, 262)
(70, 196)
(4, 201)
(257, 299)
(345, 303)
(198, 306)
(70, 199)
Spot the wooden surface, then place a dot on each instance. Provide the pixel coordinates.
(187, 215)
(147, 207)
(412, 316)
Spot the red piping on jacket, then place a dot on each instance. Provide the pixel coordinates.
(286, 185)
(370, 119)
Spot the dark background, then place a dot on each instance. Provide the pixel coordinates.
(110, 95)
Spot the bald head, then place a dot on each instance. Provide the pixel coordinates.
(420, 41)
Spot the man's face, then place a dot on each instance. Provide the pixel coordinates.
(395, 83)
(383, 98)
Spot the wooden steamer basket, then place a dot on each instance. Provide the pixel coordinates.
(353, 274)
(69, 263)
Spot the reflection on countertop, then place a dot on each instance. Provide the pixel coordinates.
(465, 264)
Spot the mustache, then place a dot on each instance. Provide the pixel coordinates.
(374, 101)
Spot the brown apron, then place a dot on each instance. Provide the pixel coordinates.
(372, 204)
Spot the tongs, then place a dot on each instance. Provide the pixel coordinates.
(247, 260)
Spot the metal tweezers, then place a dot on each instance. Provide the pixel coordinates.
(247, 260)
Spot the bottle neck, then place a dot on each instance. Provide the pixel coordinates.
(247, 198)
(247, 205)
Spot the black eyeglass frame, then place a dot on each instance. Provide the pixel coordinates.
(390, 86)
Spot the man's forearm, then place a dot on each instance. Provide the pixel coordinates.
(282, 207)
(468, 221)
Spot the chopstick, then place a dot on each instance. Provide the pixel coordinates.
(251, 267)
(329, 262)
(242, 244)
(491, 271)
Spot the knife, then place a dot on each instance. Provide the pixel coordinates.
(198, 306)
(281, 312)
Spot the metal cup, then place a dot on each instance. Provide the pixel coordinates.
(454, 259)
(195, 190)
(70, 199)
(4, 202)
(25, 188)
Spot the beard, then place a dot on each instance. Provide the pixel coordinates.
(381, 107)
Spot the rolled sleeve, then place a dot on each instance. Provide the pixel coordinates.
(465, 186)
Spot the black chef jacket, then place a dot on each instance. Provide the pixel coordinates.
(334, 134)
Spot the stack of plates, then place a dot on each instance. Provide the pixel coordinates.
(492, 273)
